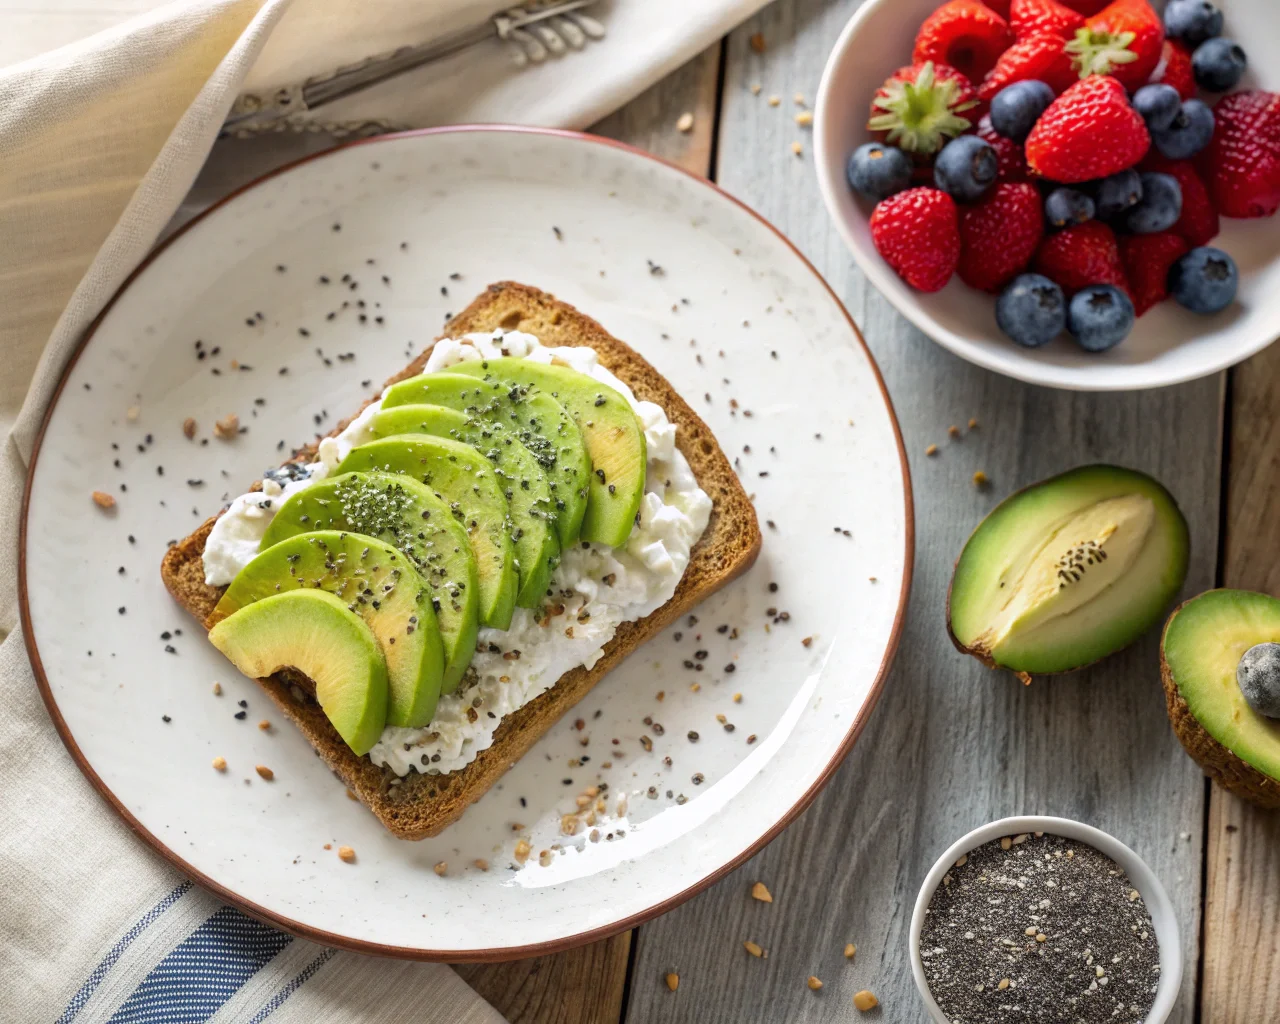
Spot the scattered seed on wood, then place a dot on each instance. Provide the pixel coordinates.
(757, 42)
(931, 450)
(753, 948)
(850, 950)
(685, 123)
(813, 983)
(760, 892)
(980, 479)
(673, 981)
(865, 1000)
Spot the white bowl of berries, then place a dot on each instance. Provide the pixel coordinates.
(1075, 193)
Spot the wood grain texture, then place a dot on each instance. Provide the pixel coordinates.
(951, 744)
(1242, 883)
(586, 985)
(582, 986)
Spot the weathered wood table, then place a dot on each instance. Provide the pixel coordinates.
(951, 745)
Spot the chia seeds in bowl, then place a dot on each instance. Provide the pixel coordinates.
(1040, 928)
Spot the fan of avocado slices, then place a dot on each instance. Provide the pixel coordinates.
(374, 581)
(1068, 571)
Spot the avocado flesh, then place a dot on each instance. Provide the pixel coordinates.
(610, 430)
(527, 490)
(1202, 647)
(312, 631)
(538, 420)
(376, 582)
(407, 515)
(1068, 571)
(462, 478)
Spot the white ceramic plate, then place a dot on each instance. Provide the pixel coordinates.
(581, 218)
(1168, 345)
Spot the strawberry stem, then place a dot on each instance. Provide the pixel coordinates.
(1095, 52)
(919, 116)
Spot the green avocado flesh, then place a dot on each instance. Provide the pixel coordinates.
(610, 430)
(528, 493)
(1068, 571)
(376, 582)
(1202, 647)
(406, 515)
(312, 631)
(538, 420)
(462, 478)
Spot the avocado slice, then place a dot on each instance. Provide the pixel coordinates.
(407, 515)
(538, 420)
(610, 430)
(462, 478)
(527, 490)
(1068, 571)
(1200, 653)
(312, 631)
(377, 583)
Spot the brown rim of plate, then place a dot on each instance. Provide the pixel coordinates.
(507, 952)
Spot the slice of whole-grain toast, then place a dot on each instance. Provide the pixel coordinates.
(421, 805)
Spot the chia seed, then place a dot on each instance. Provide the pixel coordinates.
(1048, 930)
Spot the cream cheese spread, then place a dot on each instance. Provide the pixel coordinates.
(598, 587)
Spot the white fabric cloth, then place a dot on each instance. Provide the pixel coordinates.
(101, 139)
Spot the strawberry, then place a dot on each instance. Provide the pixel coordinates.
(1124, 40)
(1147, 259)
(1198, 223)
(1039, 56)
(918, 234)
(1088, 132)
(1174, 68)
(1086, 7)
(1243, 159)
(999, 235)
(919, 107)
(1012, 163)
(1080, 256)
(1031, 17)
(1001, 7)
(966, 34)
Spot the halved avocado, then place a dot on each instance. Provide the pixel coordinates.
(610, 430)
(376, 582)
(464, 480)
(312, 631)
(1204, 641)
(1068, 571)
(408, 516)
(538, 420)
(526, 487)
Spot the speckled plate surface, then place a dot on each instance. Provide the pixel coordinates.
(742, 326)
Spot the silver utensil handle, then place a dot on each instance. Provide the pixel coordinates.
(252, 113)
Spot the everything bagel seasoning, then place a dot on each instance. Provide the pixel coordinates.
(1043, 929)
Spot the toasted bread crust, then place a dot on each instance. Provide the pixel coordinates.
(419, 806)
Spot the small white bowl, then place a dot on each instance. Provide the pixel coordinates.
(1168, 345)
(1142, 877)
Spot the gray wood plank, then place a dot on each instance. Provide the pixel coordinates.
(951, 745)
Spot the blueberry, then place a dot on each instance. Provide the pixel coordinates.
(879, 171)
(1204, 280)
(1192, 21)
(1016, 108)
(1259, 677)
(1099, 317)
(1160, 205)
(1190, 132)
(1158, 105)
(965, 168)
(1117, 192)
(1067, 206)
(1218, 64)
(1031, 310)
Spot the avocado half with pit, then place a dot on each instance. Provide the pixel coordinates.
(1214, 649)
(1068, 571)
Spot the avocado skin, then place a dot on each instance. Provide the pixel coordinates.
(1181, 554)
(1234, 774)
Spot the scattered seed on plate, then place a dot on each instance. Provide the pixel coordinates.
(931, 450)
(220, 764)
(345, 853)
(441, 869)
(775, 101)
(797, 149)
(264, 772)
(103, 500)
